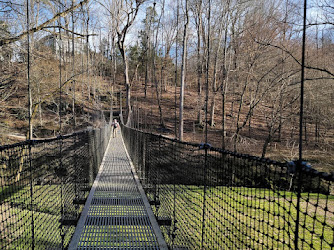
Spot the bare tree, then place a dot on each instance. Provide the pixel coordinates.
(42, 26)
(183, 66)
(154, 66)
(220, 44)
(124, 14)
(197, 9)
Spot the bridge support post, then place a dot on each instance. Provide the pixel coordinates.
(91, 147)
(143, 173)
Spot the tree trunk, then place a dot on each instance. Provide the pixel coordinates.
(111, 105)
(250, 124)
(127, 83)
(184, 56)
(39, 103)
(238, 117)
(280, 122)
(212, 111)
(158, 93)
(265, 145)
(87, 57)
(305, 131)
(146, 77)
(199, 65)
(317, 128)
(214, 85)
(223, 118)
(156, 82)
(225, 78)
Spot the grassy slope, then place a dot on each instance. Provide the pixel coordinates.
(247, 218)
(17, 217)
(234, 217)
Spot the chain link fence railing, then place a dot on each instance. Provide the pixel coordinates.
(44, 185)
(208, 198)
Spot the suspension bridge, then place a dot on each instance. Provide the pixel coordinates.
(117, 213)
(81, 191)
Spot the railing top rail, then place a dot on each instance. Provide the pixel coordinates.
(206, 197)
(44, 140)
(42, 191)
(214, 149)
(290, 164)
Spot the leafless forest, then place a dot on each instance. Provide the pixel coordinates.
(232, 67)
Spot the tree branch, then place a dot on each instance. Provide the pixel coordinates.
(61, 27)
(295, 59)
(41, 26)
(323, 23)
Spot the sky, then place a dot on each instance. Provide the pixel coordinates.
(98, 18)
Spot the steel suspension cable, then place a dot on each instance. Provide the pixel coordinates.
(28, 73)
(176, 71)
(62, 234)
(299, 165)
(206, 125)
(207, 75)
(73, 69)
(60, 77)
(30, 126)
(301, 112)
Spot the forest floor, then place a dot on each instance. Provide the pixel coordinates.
(320, 154)
(13, 127)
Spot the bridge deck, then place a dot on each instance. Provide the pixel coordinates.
(117, 214)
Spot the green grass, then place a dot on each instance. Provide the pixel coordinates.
(243, 218)
(17, 215)
(235, 217)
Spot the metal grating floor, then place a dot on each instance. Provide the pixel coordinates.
(117, 214)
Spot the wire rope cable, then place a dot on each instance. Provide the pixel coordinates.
(176, 70)
(30, 124)
(206, 125)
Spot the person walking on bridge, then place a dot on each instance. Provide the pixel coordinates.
(114, 125)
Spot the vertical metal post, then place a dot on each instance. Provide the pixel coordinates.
(31, 197)
(138, 118)
(76, 176)
(111, 115)
(120, 102)
(157, 178)
(61, 170)
(91, 156)
(143, 169)
(174, 196)
(204, 193)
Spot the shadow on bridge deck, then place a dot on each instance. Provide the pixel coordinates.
(117, 214)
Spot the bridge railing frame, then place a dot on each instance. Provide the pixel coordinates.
(209, 198)
(42, 193)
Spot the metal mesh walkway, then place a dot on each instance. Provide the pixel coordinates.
(117, 214)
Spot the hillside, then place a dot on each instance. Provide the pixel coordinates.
(252, 139)
(91, 97)
(250, 55)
